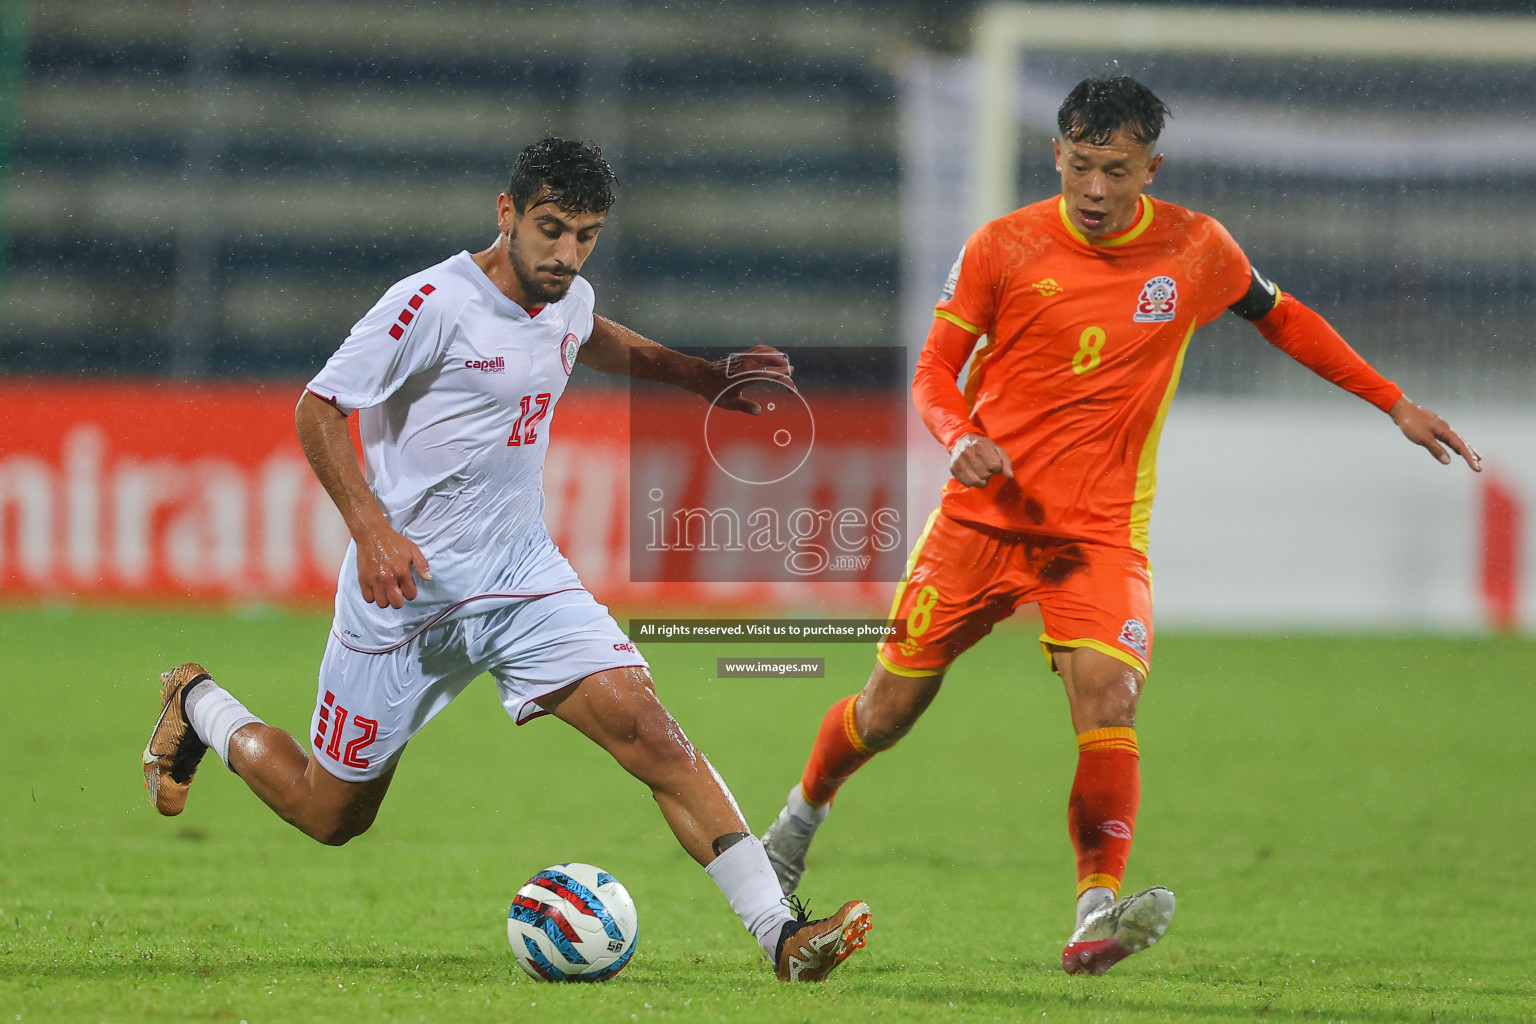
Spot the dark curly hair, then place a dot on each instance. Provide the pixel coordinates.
(575, 174)
(1098, 107)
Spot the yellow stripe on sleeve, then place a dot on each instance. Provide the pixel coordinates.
(964, 325)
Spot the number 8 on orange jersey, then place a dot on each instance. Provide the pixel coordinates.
(1090, 348)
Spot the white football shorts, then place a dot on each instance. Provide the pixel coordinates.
(370, 705)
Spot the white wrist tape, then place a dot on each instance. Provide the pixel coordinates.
(968, 441)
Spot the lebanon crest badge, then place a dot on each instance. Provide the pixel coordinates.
(1158, 301)
(569, 346)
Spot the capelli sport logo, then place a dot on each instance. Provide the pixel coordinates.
(497, 365)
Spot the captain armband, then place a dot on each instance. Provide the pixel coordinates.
(1260, 301)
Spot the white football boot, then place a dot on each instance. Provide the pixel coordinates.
(1118, 929)
(789, 837)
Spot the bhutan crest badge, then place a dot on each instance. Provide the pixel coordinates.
(568, 349)
(1134, 635)
(1159, 298)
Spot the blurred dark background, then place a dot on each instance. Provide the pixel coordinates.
(210, 189)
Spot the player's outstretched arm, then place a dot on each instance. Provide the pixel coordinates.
(614, 348)
(384, 557)
(1424, 428)
(1303, 334)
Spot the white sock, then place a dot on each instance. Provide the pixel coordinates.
(1092, 899)
(745, 876)
(216, 716)
(804, 811)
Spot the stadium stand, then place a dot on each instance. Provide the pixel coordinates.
(213, 189)
(315, 152)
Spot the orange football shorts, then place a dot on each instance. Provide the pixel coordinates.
(964, 578)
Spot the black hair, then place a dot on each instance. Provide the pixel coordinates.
(573, 175)
(1098, 107)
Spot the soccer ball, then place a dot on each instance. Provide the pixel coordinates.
(572, 922)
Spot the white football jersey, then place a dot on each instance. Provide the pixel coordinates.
(456, 388)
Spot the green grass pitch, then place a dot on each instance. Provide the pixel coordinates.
(1348, 823)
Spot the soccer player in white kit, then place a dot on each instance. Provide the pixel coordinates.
(455, 374)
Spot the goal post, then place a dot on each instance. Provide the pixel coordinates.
(1004, 31)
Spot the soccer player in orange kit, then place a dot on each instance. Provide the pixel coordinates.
(1087, 301)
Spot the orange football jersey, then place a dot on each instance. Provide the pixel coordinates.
(1085, 341)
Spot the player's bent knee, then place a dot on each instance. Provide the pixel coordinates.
(891, 705)
(883, 724)
(1118, 686)
(1107, 700)
(332, 811)
(885, 731)
(338, 830)
(335, 837)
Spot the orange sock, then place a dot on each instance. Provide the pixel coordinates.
(838, 753)
(1101, 814)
